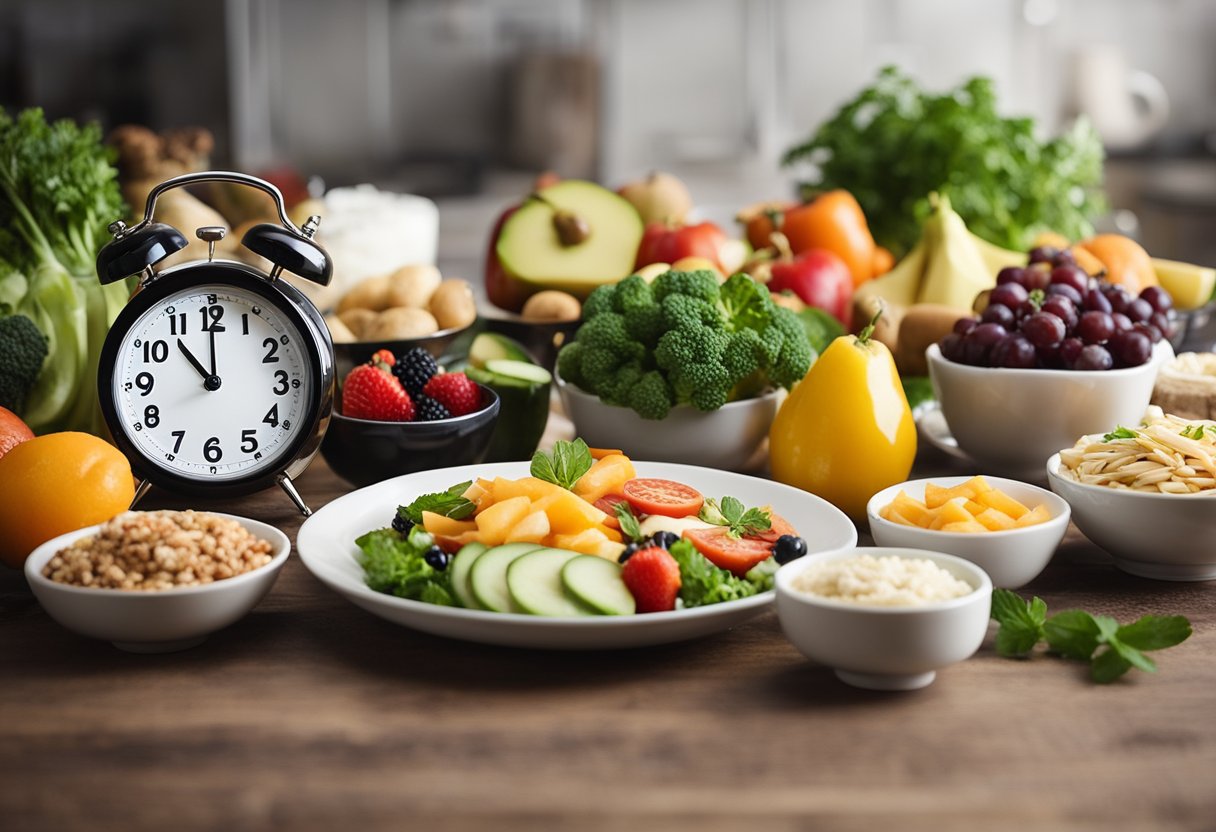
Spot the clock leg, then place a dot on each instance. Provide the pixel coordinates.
(286, 484)
(140, 490)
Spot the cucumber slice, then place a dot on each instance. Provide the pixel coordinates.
(521, 370)
(488, 577)
(522, 415)
(489, 346)
(535, 583)
(597, 583)
(461, 566)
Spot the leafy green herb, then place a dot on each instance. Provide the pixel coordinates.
(397, 566)
(738, 519)
(821, 327)
(1111, 649)
(1119, 433)
(630, 527)
(703, 583)
(1196, 431)
(450, 503)
(918, 390)
(565, 465)
(895, 143)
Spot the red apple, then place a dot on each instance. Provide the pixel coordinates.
(501, 289)
(819, 278)
(663, 243)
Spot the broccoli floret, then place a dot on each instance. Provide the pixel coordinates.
(607, 331)
(570, 363)
(645, 325)
(652, 396)
(701, 284)
(632, 293)
(600, 300)
(599, 367)
(796, 354)
(688, 345)
(743, 355)
(682, 310)
(23, 348)
(747, 303)
(705, 386)
(617, 387)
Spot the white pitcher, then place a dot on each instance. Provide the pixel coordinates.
(1127, 107)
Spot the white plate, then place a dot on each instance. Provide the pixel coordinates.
(326, 544)
(931, 424)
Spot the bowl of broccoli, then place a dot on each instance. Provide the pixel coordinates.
(683, 369)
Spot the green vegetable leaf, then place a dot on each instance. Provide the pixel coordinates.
(449, 503)
(1119, 433)
(703, 583)
(630, 527)
(918, 390)
(1155, 632)
(1108, 666)
(1073, 634)
(565, 465)
(397, 566)
(1021, 622)
(1132, 656)
(821, 327)
(739, 520)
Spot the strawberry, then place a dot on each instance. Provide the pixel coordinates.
(371, 391)
(653, 578)
(455, 391)
(384, 356)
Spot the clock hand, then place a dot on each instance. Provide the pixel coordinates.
(211, 334)
(194, 362)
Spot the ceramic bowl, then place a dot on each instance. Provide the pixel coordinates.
(542, 339)
(362, 451)
(1011, 558)
(1163, 536)
(1013, 420)
(885, 648)
(441, 344)
(159, 621)
(726, 438)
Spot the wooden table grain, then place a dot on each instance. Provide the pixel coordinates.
(312, 714)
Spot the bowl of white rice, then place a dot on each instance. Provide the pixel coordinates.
(884, 618)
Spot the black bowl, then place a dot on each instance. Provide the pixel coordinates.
(442, 344)
(363, 452)
(542, 339)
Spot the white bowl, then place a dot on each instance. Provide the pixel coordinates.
(1164, 536)
(1012, 420)
(1011, 558)
(885, 648)
(727, 438)
(159, 621)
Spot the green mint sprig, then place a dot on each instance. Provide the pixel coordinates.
(565, 465)
(1119, 433)
(737, 518)
(1110, 648)
(630, 527)
(449, 503)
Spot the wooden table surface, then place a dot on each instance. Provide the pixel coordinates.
(312, 714)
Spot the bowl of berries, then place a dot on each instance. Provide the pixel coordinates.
(401, 414)
(1053, 354)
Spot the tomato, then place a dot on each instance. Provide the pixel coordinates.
(761, 220)
(607, 504)
(665, 497)
(820, 279)
(663, 243)
(737, 555)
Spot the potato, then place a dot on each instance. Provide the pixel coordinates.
(338, 331)
(357, 321)
(922, 325)
(551, 305)
(412, 286)
(371, 293)
(886, 331)
(452, 304)
(399, 323)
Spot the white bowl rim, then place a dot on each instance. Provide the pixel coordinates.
(1061, 517)
(1053, 473)
(982, 585)
(574, 390)
(933, 354)
(47, 550)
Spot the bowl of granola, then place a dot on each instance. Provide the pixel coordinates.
(157, 581)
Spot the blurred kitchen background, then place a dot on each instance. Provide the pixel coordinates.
(465, 100)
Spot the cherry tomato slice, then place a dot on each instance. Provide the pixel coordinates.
(737, 555)
(665, 497)
(607, 504)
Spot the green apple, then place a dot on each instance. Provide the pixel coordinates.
(572, 236)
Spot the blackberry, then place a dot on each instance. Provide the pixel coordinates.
(414, 368)
(402, 524)
(436, 558)
(428, 409)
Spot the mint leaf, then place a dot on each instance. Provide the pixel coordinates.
(1119, 433)
(1072, 633)
(732, 509)
(1108, 666)
(1133, 656)
(1107, 627)
(1155, 632)
(629, 524)
(739, 520)
(565, 465)
(449, 503)
(1021, 622)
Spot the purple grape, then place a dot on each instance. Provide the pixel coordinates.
(1139, 310)
(1013, 351)
(1148, 329)
(995, 313)
(1070, 276)
(1065, 290)
(1064, 258)
(1043, 329)
(1119, 299)
(1025, 310)
(1122, 322)
(1070, 348)
(1163, 323)
(1043, 254)
(1049, 358)
(964, 325)
(1095, 301)
(1130, 349)
(987, 334)
(1158, 298)
(1008, 294)
(1062, 308)
(1009, 274)
(1036, 279)
(1093, 357)
(1096, 327)
(952, 347)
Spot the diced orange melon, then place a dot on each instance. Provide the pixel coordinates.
(600, 453)
(972, 506)
(453, 544)
(533, 528)
(569, 514)
(1039, 514)
(607, 476)
(1002, 502)
(937, 496)
(529, 487)
(588, 541)
(911, 509)
(975, 508)
(496, 521)
(966, 526)
(437, 524)
(954, 512)
(994, 521)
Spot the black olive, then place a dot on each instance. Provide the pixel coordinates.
(789, 547)
(664, 539)
(402, 524)
(628, 553)
(436, 558)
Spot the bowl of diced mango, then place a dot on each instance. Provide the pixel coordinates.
(1008, 528)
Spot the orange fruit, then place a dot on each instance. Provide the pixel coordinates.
(1126, 261)
(57, 483)
(13, 431)
(883, 260)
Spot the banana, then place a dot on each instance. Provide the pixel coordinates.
(956, 271)
(995, 257)
(901, 285)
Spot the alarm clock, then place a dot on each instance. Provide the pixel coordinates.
(216, 379)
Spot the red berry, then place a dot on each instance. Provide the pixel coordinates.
(372, 392)
(383, 356)
(653, 578)
(455, 391)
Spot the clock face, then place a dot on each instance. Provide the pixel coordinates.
(213, 383)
